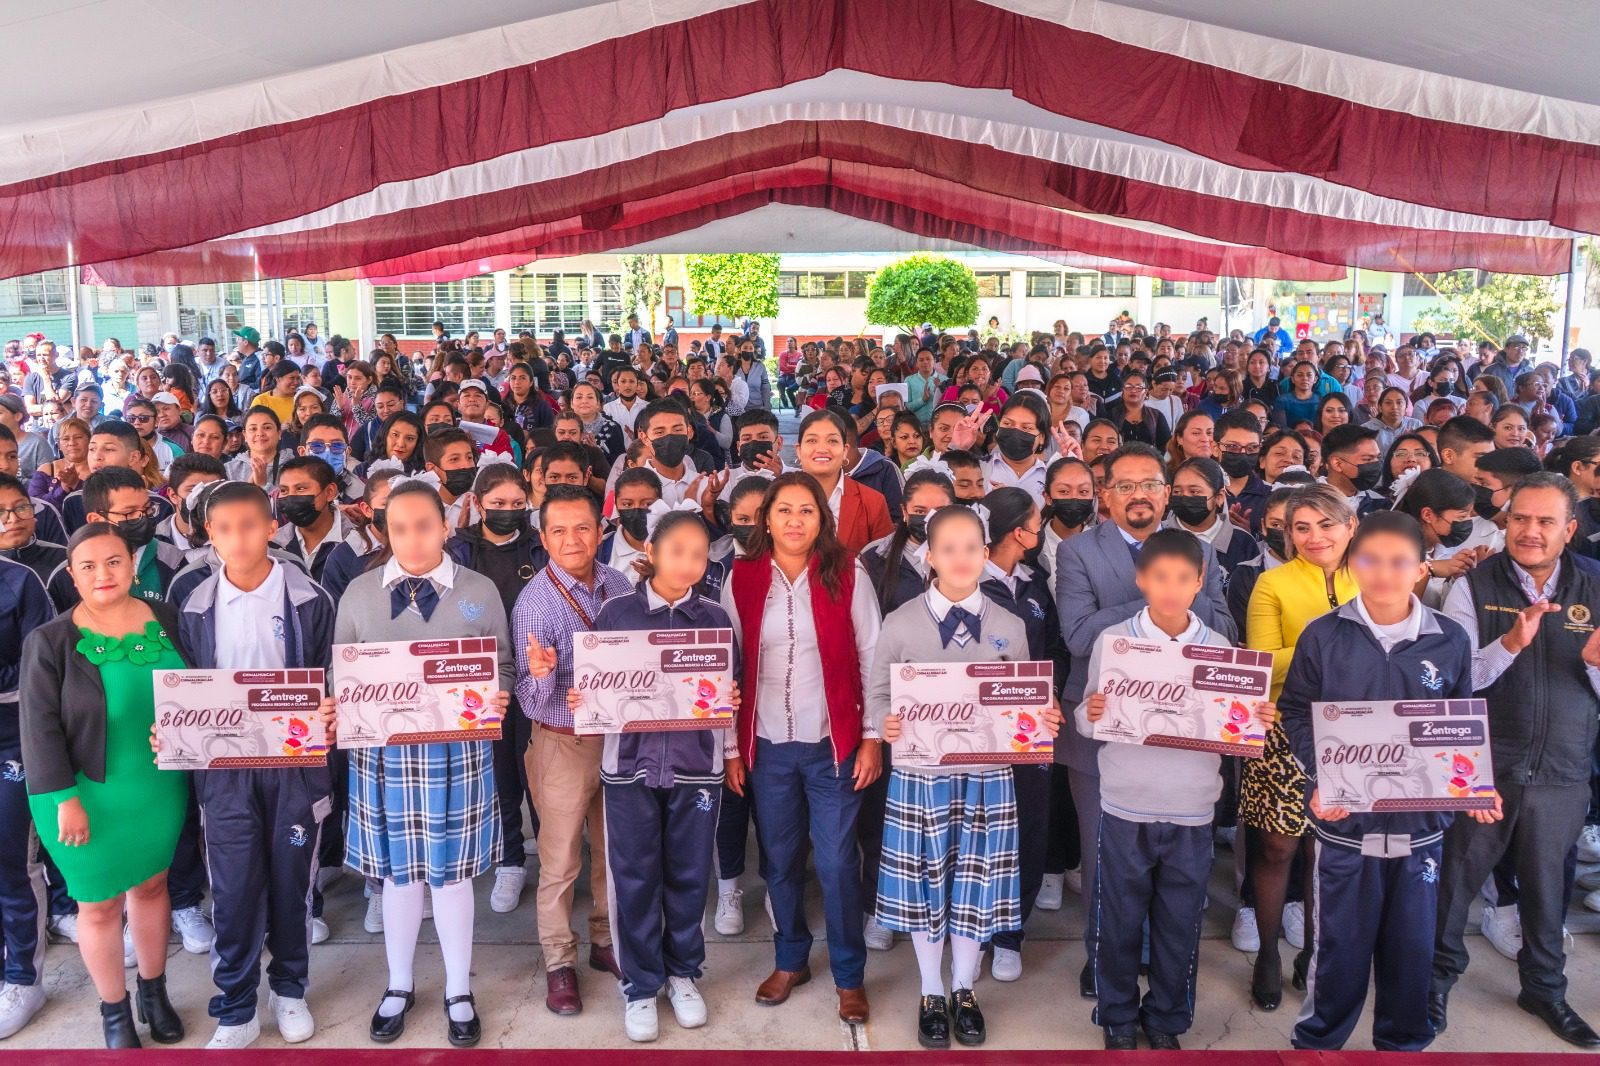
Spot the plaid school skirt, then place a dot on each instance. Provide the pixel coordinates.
(950, 855)
(423, 812)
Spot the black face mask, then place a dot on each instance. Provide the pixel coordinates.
(917, 527)
(1484, 503)
(301, 511)
(1015, 444)
(503, 522)
(380, 520)
(632, 521)
(459, 482)
(1190, 510)
(1276, 542)
(1459, 532)
(750, 451)
(741, 532)
(1443, 388)
(138, 531)
(671, 449)
(1239, 464)
(959, 502)
(1367, 475)
(1072, 513)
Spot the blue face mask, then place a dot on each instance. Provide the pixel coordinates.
(332, 454)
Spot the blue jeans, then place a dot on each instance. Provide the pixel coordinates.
(801, 795)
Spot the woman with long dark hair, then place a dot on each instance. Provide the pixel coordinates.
(400, 439)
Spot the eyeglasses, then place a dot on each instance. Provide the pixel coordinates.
(1127, 488)
(1241, 449)
(320, 449)
(133, 515)
(139, 420)
(20, 511)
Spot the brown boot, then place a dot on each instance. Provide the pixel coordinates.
(776, 988)
(853, 1005)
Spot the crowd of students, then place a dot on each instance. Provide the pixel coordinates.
(1402, 524)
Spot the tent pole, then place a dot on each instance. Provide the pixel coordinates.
(1227, 299)
(1566, 309)
(1355, 298)
(75, 299)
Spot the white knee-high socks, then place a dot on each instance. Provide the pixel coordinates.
(454, 910)
(965, 954)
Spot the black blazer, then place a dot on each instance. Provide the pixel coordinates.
(63, 703)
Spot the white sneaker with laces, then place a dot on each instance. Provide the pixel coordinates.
(129, 957)
(1246, 935)
(639, 1020)
(63, 927)
(1589, 880)
(295, 1023)
(373, 922)
(1050, 889)
(195, 928)
(1592, 900)
(877, 937)
(233, 1037)
(319, 931)
(729, 920)
(1072, 880)
(18, 1005)
(1502, 928)
(1294, 924)
(1006, 965)
(1589, 844)
(509, 881)
(688, 1006)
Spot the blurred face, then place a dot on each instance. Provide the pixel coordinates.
(16, 519)
(679, 556)
(794, 520)
(416, 531)
(1169, 584)
(240, 531)
(1319, 539)
(956, 551)
(1386, 567)
(1135, 497)
(102, 570)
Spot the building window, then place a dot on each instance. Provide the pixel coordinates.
(36, 294)
(1201, 288)
(305, 301)
(682, 318)
(1116, 284)
(1185, 288)
(410, 310)
(993, 284)
(544, 303)
(1082, 285)
(606, 308)
(856, 282)
(789, 283)
(1044, 283)
(144, 298)
(824, 285)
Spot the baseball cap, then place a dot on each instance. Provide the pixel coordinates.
(473, 383)
(1515, 339)
(1029, 373)
(249, 333)
(164, 397)
(14, 404)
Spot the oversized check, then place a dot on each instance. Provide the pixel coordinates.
(234, 719)
(961, 714)
(653, 680)
(1406, 755)
(1172, 695)
(416, 691)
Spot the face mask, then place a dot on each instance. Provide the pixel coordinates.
(1459, 532)
(1237, 464)
(742, 532)
(459, 482)
(750, 451)
(1072, 513)
(970, 407)
(299, 510)
(380, 520)
(1367, 475)
(1015, 444)
(632, 520)
(1191, 510)
(138, 531)
(917, 527)
(1443, 388)
(506, 521)
(671, 449)
(1275, 541)
(1484, 503)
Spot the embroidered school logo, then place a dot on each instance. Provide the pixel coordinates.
(469, 610)
(1430, 871)
(702, 799)
(277, 627)
(297, 835)
(1000, 643)
(11, 771)
(1578, 614)
(1431, 679)
(1037, 608)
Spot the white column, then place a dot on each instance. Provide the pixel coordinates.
(1019, 303)
(366, 317)
(502, 302)
(1144, 299)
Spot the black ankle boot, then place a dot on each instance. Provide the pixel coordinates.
(116, 1019)
(155, 1010)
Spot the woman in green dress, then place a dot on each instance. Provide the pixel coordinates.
(108, 817)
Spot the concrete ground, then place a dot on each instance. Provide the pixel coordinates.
(348, 975)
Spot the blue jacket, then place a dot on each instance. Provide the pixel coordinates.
(308, 612)
(24, 606)
(673, 757)
(877, 472)
(344, 566)
(1338, 659)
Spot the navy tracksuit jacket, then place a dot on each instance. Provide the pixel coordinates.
(262, 827)
(661, 793)
(1377, 875)
(24, 606)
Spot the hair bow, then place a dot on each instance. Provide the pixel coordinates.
(493, 458)
(983, 519)
(427, 477)
(661, 508)
(1297, 468)
(923, 462)
(192, 499)
(1403, 483)
(379, 466)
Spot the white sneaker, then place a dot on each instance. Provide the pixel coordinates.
(878, 938)
(65, 926)
(373, 922)
(509, 881)
(729, 920)
(1072, 880)
(1589, 844)
(639, 1020)
(18, 1005)
(319, 931)
(295, 1023)
(129, 957)
(1049, 897)
(1294, 924)
(1006, 965)
(1589, 880)
(232, 1037)
(1592, 900)
(195, 928)
(688, 1006)
(1502, 927)
(1246, 935)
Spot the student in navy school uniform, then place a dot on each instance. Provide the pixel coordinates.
(623, 549)
(1199, 504)
(310, 521)
(660, 792)
(1376, 875)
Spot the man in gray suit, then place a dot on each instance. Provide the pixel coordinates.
(1095, 590)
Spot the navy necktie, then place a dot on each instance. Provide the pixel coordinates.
(419, 591)
(956, 618)
(1133, 549)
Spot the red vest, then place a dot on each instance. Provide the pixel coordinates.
(836, 645)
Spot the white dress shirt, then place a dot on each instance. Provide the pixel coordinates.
(250, 625)
(1395, 632)
(998, 474)
(1489, 661)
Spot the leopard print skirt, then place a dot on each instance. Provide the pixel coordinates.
(1272, 790)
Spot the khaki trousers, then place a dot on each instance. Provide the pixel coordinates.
(564, 772)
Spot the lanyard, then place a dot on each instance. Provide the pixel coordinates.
(572, 602)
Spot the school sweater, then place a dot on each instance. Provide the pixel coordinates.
(1145, 783)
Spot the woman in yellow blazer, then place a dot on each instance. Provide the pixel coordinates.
(1272, 795)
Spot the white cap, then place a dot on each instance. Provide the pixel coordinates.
(309, 390)
(474, 383)
(1030, 373)
(165, 397)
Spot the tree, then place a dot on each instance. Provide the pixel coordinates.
(736, 285)
(644, 284)
(923, 288)
(1491, 305)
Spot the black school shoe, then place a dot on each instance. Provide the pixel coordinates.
(933, 1022)
(386, 1029)
(1120, 1041)
(1086, 986)
(1161, 1041)
(469, 1032)
(967, 1018)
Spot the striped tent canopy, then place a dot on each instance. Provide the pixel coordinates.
(171, 141)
